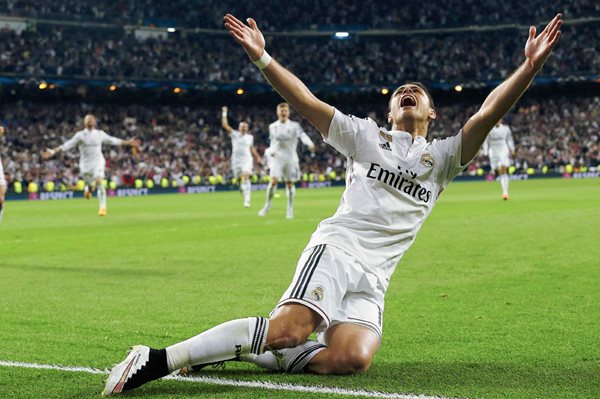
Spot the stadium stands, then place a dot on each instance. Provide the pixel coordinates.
(306, 14)
(50, 52)
(180, 141)
(99, 46)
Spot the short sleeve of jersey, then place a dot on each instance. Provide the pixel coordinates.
(447, 153)
(344, 130)
(235, 134)
(271, 127)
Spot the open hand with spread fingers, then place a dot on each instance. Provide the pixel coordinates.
(249, 36)
(537, 49)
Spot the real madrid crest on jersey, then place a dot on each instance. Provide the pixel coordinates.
(427, 160)
(387, 137)
(318, 294)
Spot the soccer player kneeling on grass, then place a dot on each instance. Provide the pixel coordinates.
(394, 179)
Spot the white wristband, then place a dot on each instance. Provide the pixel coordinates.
(224, 114)
(263, 61)
(52, 152)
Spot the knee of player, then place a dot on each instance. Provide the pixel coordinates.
(286, 334)
(353, 361)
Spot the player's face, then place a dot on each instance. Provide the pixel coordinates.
(1, 130)
(89, 121)
(410, 101)
(283, 113)
(243, 127)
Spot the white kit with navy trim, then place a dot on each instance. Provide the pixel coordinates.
(89, 142)
(392, 183)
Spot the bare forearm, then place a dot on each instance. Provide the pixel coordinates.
(130, 142)
(255, 154)
(225, 125)
(503, 97)
(283, 81)
(495, 106)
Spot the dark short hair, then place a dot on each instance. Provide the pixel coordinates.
(422, 87)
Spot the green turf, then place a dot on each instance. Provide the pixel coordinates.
(494, 300)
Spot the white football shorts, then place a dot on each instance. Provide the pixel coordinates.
(242, 166)
(333, 284)
(92, 172)
(285, 170)
(501, 159)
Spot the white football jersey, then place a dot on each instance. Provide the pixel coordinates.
(90, 143)
(392, 183)
(240, 145)
(284, 139)
(2, 179)
(499, 141)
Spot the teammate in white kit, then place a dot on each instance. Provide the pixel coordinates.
(500, 146)
(394, 179)
(242, 151)
(91, 161)
(2, 181)
(284, 163)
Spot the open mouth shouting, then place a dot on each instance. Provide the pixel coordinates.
(408, 100)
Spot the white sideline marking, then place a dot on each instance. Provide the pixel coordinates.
(237, 383)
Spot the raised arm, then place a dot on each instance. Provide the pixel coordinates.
(503, 97)
(133, 142)
(66, 146)
(317, 112)
(224, 124)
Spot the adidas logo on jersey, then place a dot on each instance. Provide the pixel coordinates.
(385, 146)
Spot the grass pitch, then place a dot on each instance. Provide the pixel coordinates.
(494, 300)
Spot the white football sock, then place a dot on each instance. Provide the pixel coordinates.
(101, 191)
(271, 188)
(504, 183)
(247, 190)
(226, 341)
(290, 194)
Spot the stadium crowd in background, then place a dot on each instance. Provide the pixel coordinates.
(304, 14)
(85, 53)
(184, 141)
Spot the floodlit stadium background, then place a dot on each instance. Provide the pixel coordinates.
(495, 300)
